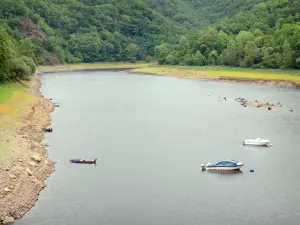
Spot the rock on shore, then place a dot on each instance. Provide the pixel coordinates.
(22, 175)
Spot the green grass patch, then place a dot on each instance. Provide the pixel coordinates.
(5, 93)
(99, 65)
(235, 69)
(256, 75)
(222, 71)
(7, 90)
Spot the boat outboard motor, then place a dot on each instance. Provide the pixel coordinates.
(203, 167)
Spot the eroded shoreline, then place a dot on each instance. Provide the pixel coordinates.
(209, 76)
(23, 175)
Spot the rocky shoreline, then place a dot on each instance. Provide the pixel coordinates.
(282, 83)
(23, 175)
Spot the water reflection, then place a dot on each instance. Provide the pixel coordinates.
(149, 133)
(225, 173)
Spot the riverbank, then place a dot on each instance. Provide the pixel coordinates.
(24, 165)
(286, 78)
(272, 77)
(91, 67)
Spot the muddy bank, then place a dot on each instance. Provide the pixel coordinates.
(282, 83)
(90, 67)
(23, 174)
(206, 75)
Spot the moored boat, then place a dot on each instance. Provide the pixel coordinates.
(83, 161)
(223, 165)
(257, 142)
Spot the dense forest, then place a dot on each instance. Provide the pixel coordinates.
(261, 35)
(253, 33)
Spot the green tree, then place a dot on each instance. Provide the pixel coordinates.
(251, 53)
(198, 59)
(19, 69)
(298, 62)
(231, 55)
(6, 53)
(271, 59)
(131, 52)
(213, 58)
(161, 52)
(188, 59)
(287, 55)
(171, 59)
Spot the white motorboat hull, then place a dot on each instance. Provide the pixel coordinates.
(224, 168)
(256, 143)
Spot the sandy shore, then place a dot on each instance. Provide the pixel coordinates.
(209, 75)
(23, 173)
(91, 67)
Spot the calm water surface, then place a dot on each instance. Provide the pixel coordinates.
(150, 135)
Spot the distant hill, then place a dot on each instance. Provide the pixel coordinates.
(193, 32)
(253, 33)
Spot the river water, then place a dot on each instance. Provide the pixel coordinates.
(150, 135)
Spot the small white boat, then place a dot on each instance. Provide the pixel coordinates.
(223, 165)
(257, 142)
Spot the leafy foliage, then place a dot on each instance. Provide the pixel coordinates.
(253, 33)
(266, 36)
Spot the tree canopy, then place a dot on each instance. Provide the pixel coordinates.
(257, 34)
(253, 33)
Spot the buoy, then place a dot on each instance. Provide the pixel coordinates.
(251, 170)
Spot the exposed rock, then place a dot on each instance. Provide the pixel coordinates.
(33, 164)
(8, 220)
(12, 176)
(51, 59)
(29, 171)
(36, 158)
(32, 29)
(2, 216)
(6, 190)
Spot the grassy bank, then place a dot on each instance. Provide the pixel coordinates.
(15, 103)
(92, 66)
(214, 72)
(237, 69)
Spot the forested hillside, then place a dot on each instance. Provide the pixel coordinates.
(68, 31)
(253, 33)
(263, 35)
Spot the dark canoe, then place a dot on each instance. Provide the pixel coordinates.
(83, 161)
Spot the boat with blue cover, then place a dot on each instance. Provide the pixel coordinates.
(224, 165)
